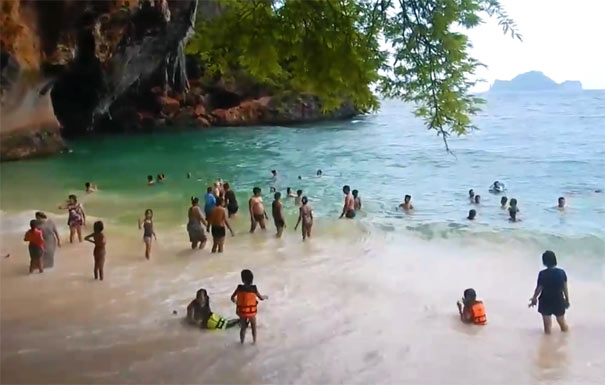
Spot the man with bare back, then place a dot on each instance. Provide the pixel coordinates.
(257, 210)
(348, 209)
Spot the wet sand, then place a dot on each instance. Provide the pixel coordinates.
(348, 307)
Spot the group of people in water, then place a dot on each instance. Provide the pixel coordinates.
(220, 204)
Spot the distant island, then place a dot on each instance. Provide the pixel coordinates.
(534, 81)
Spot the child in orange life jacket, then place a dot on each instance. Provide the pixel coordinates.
(471, 310)
(245, 297)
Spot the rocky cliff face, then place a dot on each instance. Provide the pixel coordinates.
(74, 67)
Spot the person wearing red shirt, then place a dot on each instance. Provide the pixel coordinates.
(36, 246)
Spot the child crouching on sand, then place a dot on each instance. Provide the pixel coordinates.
(245, 297)
(471, 310)
(98, 238)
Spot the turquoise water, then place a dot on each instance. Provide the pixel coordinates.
(541, 145)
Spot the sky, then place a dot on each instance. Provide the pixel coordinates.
(565, 39)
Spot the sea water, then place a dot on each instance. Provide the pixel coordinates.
(365, 300)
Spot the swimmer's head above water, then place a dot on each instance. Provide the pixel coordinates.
(407, 198)
(319, 172)
(503, 201)
(561, 202)
(471, 215)
(355, 193)
(471, 193)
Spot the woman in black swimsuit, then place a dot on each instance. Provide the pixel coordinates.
(230, 200)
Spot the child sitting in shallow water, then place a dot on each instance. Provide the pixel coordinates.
(471, 310)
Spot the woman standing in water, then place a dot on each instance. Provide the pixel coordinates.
(552, 289)
(147, 225)
(196, 224)
(51, 238)
(76, 217)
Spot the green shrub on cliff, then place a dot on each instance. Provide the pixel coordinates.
(342, 50)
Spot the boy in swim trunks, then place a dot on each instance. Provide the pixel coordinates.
(257, 210)
(348, 209)
(36, 246)
(407, 203)
(306, 217)
(278, 214)
(245, 297)
(218, 220)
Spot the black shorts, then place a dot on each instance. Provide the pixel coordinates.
(232, 209)
(218, 231)
(350, 214)
(279, 223)
(552, 307)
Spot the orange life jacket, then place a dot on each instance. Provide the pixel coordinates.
(246, 304)
(478, 312)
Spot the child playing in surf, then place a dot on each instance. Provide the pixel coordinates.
(245, 297)
(357, 200)
(76, 218)
(98, 239)
(306, 217)
(147, 225)
(200, 314)
(36, 246)
(471, 310)
(553, 294)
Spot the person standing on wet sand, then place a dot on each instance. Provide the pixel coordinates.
(230, 200)
(76, 218)
(553, 294)
(36, 246)
(348, 209)
(218, 220)
(277, 209)
(245, 297)
(98, 239)
(147, 225)
(257, 210)
(194, 225)
(305, 215)
(51, 239)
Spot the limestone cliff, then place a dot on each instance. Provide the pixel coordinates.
(77, 67)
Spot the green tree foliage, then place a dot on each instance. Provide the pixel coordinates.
(349, 50)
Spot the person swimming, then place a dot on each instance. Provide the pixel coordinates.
(471, 195)
(150, 181)
(274, 174)
(319, 173)
(561, 203)
(503, 202)
(89, 187)
(289, 193)
(272, 189)
(200, 314)
(496, 187)
(407, 203)
(471, 215)
(471, 310)
(357, 200)
(348, 209)
(477, 199)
